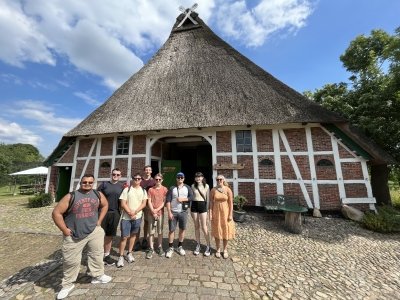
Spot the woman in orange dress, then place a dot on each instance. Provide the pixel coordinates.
(221, 209)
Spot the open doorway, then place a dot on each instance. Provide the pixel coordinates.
(189, 155)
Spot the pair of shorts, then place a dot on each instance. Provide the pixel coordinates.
(199, 207)
(130, 227)
(156, 225)
(180, 217)
(110, 223)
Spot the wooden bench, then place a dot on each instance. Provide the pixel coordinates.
(371, 201)
(290, 205)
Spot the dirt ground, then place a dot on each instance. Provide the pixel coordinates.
(27, 235)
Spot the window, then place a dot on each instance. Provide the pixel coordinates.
(122, 145)
(243, 141)
(324, 163)
(266, 162)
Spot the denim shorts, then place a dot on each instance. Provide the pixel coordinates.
(130, 227)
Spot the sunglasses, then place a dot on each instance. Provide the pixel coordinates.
(137, 179)
(219, 179)
(116, 174)
(87, 182)
(157, 179)
(180, 177)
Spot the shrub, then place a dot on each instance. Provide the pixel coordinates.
(239, 201)
(40, 200)
(387, 220)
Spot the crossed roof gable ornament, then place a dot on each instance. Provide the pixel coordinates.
(187, 13)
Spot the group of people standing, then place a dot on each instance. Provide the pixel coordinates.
(86, 216)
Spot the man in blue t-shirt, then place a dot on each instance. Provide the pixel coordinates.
(112, 190)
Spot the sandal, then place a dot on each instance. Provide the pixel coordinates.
(217, 254)
(225, 255)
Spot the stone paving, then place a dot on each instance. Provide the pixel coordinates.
(332, 259)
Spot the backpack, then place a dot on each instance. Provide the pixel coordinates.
(72, 200)
(121, 210)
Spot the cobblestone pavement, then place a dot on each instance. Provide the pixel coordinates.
(332, 259)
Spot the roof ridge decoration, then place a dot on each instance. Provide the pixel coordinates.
(187, 14)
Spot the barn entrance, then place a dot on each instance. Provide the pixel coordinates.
(187, 154)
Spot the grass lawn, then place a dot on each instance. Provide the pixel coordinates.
(7, 197)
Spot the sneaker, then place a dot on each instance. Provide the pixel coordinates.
(181, 251)
(108, 261)
(145, 245)
(149, 253)
(120, 262)
(160, 251)
(197, 250)
(101, 279)
(208, 251)
(130, 258)
(169, 253)
(64, 292)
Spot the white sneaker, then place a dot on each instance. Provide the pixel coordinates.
(130, 258)
(64, 292)
(169, 253)
(181, 251)
(197, 250)
(208, 251)
(101, 279)
(120, 262)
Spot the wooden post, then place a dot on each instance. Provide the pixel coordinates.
(293, 222)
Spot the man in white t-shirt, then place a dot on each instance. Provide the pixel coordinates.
(133, 200)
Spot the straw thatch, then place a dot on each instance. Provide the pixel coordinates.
(198, 80)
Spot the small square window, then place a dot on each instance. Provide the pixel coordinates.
(122, 145)
(243, 141)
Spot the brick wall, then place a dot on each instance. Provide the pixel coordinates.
(352, 170)
(139, 144)
(264, 141)
(321, 140)
(68, 156)
(248, 171)
(343, 153)
(79, 168)
(325, 172)
(266, 171)
(106, 146)
(122, 164)
(247, 189)
(355, 190)
(104, 171)
(267, 189)
(227, 160)
(137, 165)
(287, 168)
(224, 141)
(329, 196)
(84, 147)
(296, 139)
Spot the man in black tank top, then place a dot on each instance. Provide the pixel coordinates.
(79, 215)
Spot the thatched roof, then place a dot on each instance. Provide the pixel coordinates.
(198, 80)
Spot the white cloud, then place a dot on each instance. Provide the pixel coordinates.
(20, 38)
(253, 26)
(106, 38)
(88, 98)
(43, 116)
(11, 133)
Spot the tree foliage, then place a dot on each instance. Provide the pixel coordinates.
(371, 100)
(17, 157)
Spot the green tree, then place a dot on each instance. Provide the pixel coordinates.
(371, 100)
(17, 157)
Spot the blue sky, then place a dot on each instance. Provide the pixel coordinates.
(61, 59)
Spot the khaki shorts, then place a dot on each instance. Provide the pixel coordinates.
(156, 226)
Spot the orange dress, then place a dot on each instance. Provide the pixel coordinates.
(220, 227)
